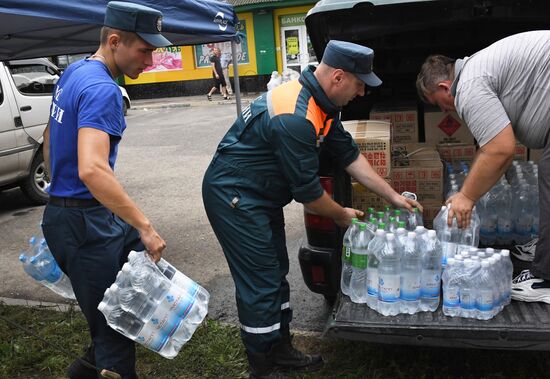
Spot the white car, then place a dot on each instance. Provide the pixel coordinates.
(25, 100)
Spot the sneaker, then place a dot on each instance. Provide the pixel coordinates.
(526, 287)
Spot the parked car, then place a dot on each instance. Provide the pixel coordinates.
(403, 34)
(25, 99)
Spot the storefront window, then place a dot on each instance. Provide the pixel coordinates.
(297, 49)
(203, 52)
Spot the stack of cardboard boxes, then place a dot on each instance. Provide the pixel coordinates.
(409, 167)
(390, 141)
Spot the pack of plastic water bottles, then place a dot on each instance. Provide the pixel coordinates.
(392, 272)
(477, 283)
(154, 304)
(39, 263)
(509, 212)
(397, 268)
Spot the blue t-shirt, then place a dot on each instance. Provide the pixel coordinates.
(85, 96)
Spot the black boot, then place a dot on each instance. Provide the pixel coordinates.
(261, 367)
(78, 370)
(285, 356)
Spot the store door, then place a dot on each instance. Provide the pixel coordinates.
(297, 49)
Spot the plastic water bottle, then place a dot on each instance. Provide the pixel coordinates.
(505, 217)
(411, 270)
(523, 214)
(467, 238)
(132, 300)
(489, 220)
(387, 215)
(508, 270)
(346, 257)
(440, 219)
(468, 289)
(119, 319)
(370, 213)
(430, 279)
(148, 307)
(389, 277)
(498, 281)
(381, 217)
(399, 217)
(46, 267)
(29, 269)
(485, 294)
(175, 277)
(451, 288)
(448, 235)
(359, 260)
(401, 234)
(392, 227)
(415, 219)
(374, 248)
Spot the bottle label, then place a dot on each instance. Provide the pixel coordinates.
(167, 318)
(467, 301)
(359, 261)
(389, 288)
(484, 301)
(153, 335)
(410, 288)
(451, 297)
(429, 285)
(346, 254)
(372, 282)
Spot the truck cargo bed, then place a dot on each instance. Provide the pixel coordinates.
(519, 326)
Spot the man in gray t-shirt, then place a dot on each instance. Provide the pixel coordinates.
(502, 93)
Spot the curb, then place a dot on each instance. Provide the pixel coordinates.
(64, 307)
(159, 105)
(61, 307)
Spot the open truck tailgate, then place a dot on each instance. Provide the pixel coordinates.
(519, 326)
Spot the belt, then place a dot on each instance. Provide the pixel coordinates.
(69, 202)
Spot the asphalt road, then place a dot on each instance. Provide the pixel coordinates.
(161, 162)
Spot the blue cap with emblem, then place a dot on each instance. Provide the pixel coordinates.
(352, 58)
(144, 21)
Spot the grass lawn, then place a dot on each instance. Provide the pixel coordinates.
(215, 351)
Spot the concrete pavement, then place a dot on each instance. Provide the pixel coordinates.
(162, 159)
(190, 101)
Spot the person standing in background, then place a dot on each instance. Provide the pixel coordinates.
(226, 60)
(217, 75)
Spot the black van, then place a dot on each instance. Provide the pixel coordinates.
(403, 34)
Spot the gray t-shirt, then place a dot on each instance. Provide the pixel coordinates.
(507, 82)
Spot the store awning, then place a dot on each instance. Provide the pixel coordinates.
(38, 28)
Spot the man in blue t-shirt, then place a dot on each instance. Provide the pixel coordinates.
(90, 222)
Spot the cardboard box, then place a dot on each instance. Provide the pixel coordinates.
(373, 139)
(362, 197)
(452, 152)
(535, 155)
(446, 127)
(521, 152)
(404, 123)
(430, 211)
(417, 168)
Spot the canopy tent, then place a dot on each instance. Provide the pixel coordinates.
(38, 28)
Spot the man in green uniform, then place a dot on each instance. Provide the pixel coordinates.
(267, 158)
